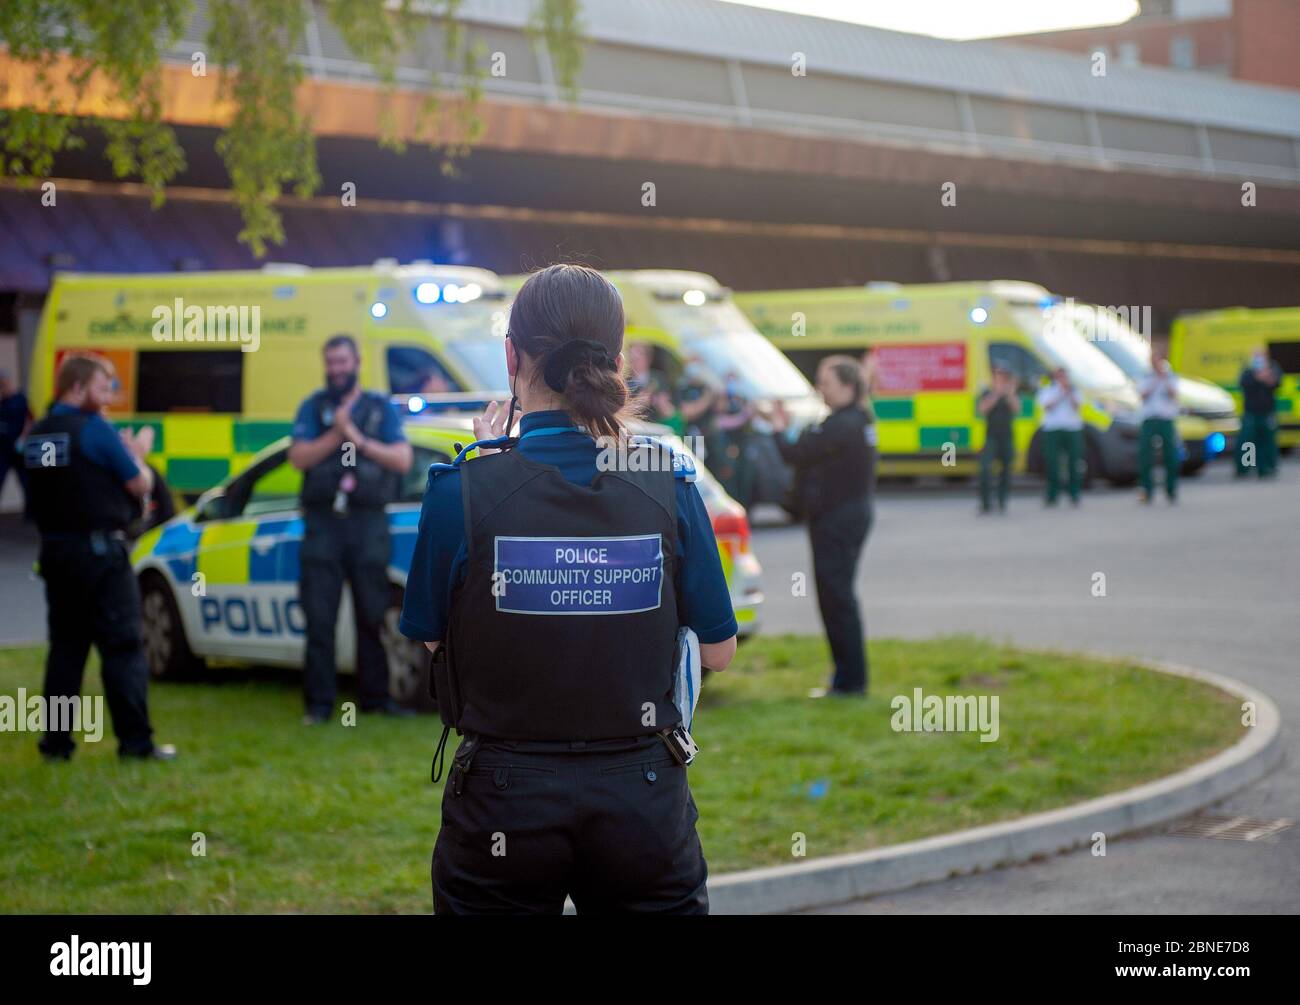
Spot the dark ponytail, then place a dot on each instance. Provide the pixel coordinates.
(568, 321)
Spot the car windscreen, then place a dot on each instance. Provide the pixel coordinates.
(482, 360)
(1121, 344)
(1058, 340)
(473, 336)
(728, 345)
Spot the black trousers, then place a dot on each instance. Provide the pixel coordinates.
(93, 598)
(611, 826)
(352, 549)
(837, 538)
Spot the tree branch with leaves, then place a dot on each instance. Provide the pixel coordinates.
(116, 47)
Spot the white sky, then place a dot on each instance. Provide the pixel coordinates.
(962, 18)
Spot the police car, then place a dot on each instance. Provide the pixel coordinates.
(219, 581)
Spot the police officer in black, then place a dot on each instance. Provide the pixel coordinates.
(352, 451)
(551, 576)
(835, 475)
(84, 486)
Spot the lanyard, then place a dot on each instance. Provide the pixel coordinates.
(501, 441)
(548, 431)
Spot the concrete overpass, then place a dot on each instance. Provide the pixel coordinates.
(1122, 189)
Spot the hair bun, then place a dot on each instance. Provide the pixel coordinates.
(566, 358)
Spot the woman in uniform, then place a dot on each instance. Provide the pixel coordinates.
(552, 573)
(835, 476)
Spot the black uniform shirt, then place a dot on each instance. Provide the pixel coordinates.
(1257, 397)
(832, 461)
(998, 418)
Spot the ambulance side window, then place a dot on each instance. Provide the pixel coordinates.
(1286, 355)
(412, 370)
(1024, 365)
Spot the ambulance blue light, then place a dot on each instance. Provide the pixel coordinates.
(414, 403)
(1215, 444)
(378, 309)
(427, 293)
(979, 315)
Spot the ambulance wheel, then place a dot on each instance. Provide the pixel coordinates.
(166, 650)
(408, 662)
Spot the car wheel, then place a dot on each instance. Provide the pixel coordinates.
(408, 661)
(166, 650)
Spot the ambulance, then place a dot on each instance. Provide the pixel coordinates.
(218, 362)
(1207, 422)
(934, 346)
(219, 581)
(692, 325)
(1217, 345)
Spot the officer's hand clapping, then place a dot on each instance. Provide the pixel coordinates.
(139, 445)
(343, 423)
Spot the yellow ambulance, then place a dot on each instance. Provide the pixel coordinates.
(1217, 346)
(218, 362)
(933, 347)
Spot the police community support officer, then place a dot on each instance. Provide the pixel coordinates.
(835, 477)
(558, 591)
(350, 445)
(84, 483)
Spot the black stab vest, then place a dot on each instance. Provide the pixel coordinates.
(67, 493)
(376, 486)
(565, 626)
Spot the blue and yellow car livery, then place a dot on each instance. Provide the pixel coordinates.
(219, 581)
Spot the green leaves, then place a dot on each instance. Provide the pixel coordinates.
(118, 43)
(81, 51)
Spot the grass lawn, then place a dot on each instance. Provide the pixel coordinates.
(344, 819)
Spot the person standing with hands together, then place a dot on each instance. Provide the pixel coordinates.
(1062, 435)
(999, 405)
(350, 447)
(1159, 390)
(85, 482)
(835, 476)
(1258, 440)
